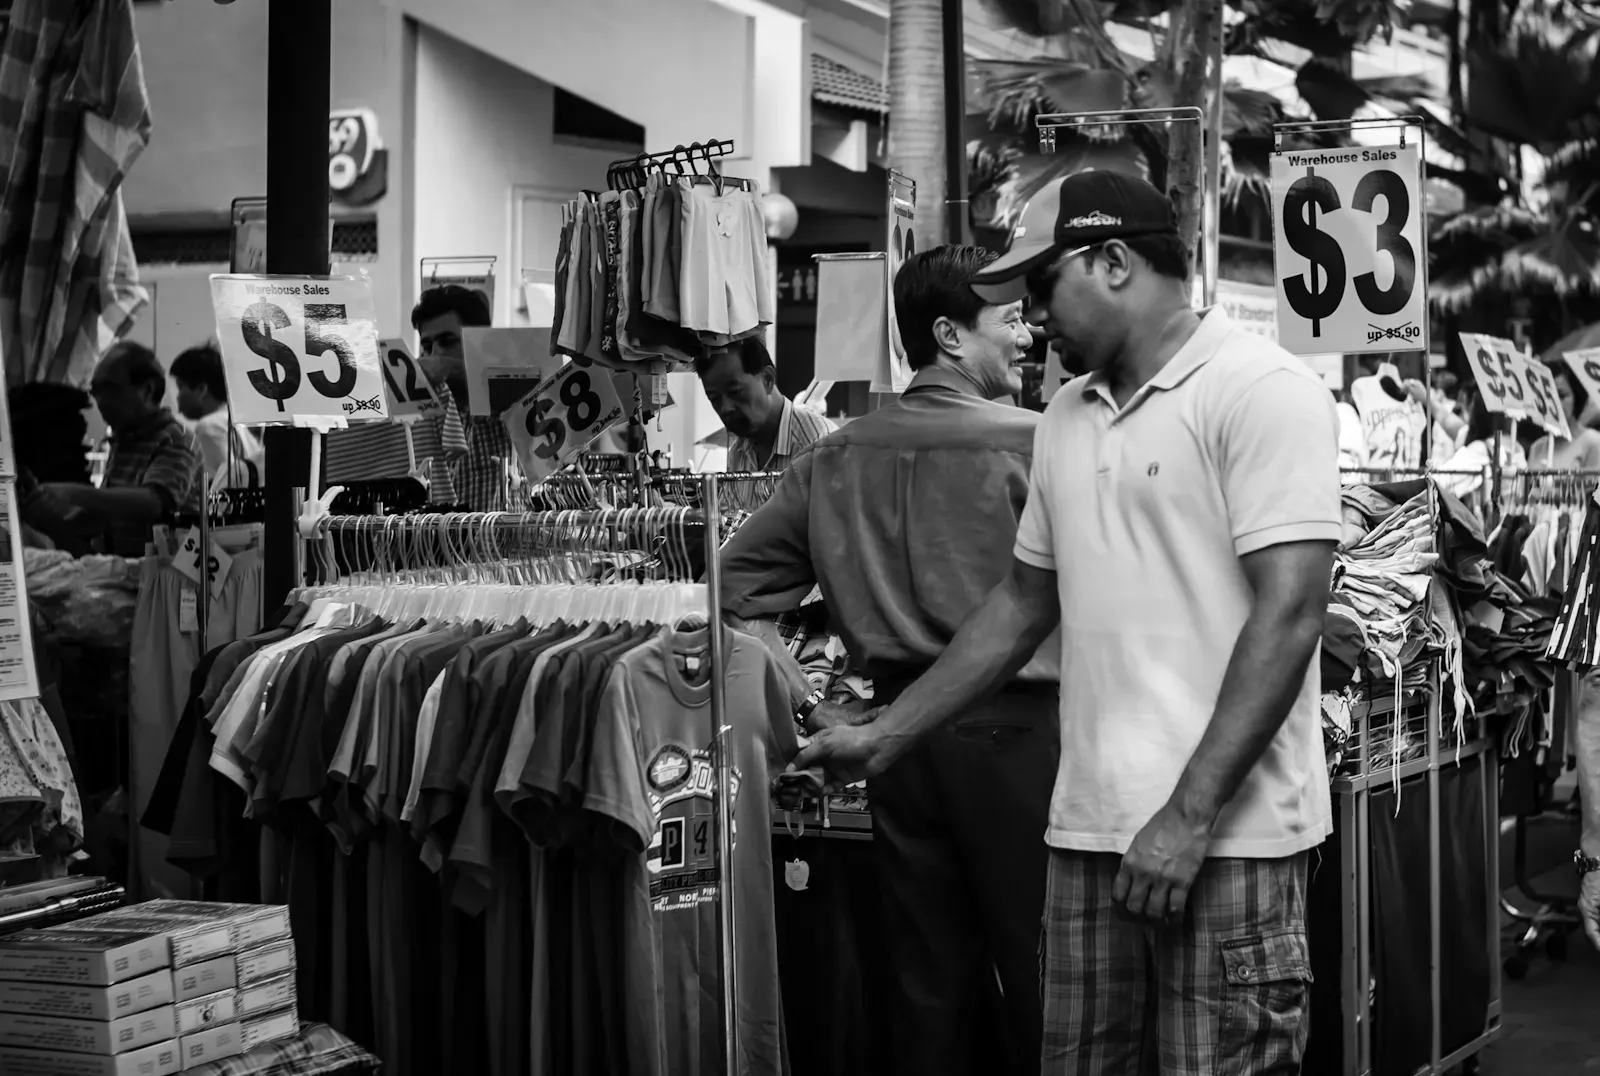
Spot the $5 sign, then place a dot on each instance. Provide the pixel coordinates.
(298, 347)
(560, 418)
(1351, 276)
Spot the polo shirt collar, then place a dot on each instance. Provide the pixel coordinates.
(1215, 326)
(941, 377)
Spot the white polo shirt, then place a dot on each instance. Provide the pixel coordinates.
(1143, 515)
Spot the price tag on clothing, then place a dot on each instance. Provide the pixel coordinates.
(299, 350)
(411, 394)
(1348, 248)
(188, 611)
(562, 417)
(187, 561)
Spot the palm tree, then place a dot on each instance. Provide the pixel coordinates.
(1093, 74)
(1533, 252)
(916, 109)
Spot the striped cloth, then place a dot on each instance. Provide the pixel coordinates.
(468, 459)
(800, 427)
(74, 115)
(1575, 639)
(318, 1050)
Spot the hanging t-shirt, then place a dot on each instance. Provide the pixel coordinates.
(1393, 429)
(650, 769)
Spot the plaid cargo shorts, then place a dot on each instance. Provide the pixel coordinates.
(1227, 993)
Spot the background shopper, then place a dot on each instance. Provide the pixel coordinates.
(905, 519)
(232, 455)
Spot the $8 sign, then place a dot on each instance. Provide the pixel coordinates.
(1348, 250)
(557, 420)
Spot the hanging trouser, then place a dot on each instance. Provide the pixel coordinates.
(958, 832)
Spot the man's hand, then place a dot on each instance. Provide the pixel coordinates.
(1589, 906)
(1160, 867)
(849, 753)
(830, 715)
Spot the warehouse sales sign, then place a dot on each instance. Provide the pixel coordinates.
(1348, 246)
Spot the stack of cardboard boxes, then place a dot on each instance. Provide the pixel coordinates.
(146, 989)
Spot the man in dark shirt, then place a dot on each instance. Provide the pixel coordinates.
(154, 468)
(906, 518)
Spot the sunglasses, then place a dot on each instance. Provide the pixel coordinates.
(1041, 281)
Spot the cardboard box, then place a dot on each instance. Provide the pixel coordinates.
(252, 924)
(266, 962)
(199, 980)
(158, 1060)
(269, 1028)
(268, 996)
(88, 1002)
(82, 956)
(211, 1044)
(191, 940)
(212, 1010)
(87, 1036)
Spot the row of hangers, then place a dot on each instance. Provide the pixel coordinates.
(541, 604)
(1567, 489)
(632, 173)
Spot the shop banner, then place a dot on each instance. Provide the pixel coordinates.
(504, 365)
(411, 394)
(1514, 384)
(558, 420)
(1351, 263)
(852, 340)
(893, 374)
(300, 350)
(18, 676)
(474, 274)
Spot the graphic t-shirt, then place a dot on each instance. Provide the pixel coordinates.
(650, 776)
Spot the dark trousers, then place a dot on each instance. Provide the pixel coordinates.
(958, 831)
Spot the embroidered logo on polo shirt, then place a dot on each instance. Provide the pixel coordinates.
(669, 769)
(1153, 470)
(1097, 219)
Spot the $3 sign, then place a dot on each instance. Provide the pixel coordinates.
(1317, 294)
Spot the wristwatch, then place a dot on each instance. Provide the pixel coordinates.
(808, 706)
(1584, 864)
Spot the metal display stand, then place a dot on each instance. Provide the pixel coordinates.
(1352, 794)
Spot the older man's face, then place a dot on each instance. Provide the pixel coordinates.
(120, 401)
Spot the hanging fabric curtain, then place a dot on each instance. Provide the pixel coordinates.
(74, 116)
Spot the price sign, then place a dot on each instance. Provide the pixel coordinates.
(1586, 365)
(562, 417)
(411, 394)
(894, 375)
(187, 561)
(1351, 275)
(299, 349)
(1514, 384)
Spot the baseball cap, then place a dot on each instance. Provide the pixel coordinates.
(1075, 211)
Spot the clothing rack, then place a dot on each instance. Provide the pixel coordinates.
(485, 546)
(633, 171)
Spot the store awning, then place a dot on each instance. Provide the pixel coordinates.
(832, 83)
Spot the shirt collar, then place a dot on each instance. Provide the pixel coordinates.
(780, 447)
(1206, 341)
(940, 377)
(158, 422)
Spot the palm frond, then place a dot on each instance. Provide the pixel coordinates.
(1242, 178)
(1014, 92)
(1032, 172)
(1576, 163)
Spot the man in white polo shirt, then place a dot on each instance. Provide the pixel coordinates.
(1182, 514)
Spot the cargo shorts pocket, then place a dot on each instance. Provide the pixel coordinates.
(1266, 1004)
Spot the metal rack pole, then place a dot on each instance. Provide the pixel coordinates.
(722, 761)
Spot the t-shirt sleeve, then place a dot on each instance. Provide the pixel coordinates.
(613, 786)
(174, 471)
(782, 742)
(1278, 461)
(1036, 544)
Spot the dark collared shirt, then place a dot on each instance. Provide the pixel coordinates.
(160, 454)
(905, 518)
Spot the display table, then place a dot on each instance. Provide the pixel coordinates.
(318, 1050)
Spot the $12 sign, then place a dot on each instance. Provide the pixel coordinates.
(410, 391)
(298, 348)
(1352, 275)
(562, 417)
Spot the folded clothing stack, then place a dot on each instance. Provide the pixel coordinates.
(146, 989)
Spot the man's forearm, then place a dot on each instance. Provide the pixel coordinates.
(994, 643)
(132, 503)
(1263, 677)
(1586, 733)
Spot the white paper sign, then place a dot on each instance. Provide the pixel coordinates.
(474, 274)
(18, 677)
(299, 349)
(1351, 270)
(411, 394)
(1586, 365)
(894, 373)
(1514, 384)
(562, 417)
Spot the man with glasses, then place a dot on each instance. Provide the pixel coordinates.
(154, 468)
(1181, 519)
(905, 518)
